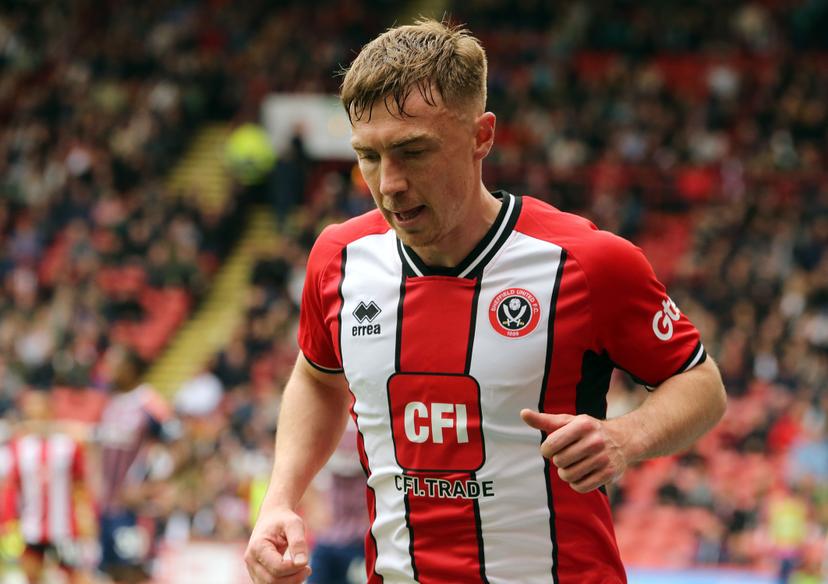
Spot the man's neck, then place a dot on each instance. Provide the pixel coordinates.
(454, 247)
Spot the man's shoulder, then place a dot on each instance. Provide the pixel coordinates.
(337, 236)
(370, 223)
(609, 262)
(575, 234)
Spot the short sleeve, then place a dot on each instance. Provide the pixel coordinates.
(636, 323)
(317, 313)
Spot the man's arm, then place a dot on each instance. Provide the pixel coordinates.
(590, 452)
(312, 418)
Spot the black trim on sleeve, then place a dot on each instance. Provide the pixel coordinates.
(320, 368)
(697, 357)
(694, 359)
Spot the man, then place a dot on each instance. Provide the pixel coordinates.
(135, 416)
(47, 491)
(445, 317)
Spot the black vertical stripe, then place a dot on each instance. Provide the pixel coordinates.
(410, 535)
(472, 325)
(550, 342)
(481, 554)
(591, 390)
(398, 345)
(478, 524)
(365, 468)
(397, 368)
(511, 221)
(343, 261)
(407, 267)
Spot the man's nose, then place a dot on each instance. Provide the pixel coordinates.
(392, 178)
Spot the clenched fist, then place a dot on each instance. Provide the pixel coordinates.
(277, 552)
(587, 452)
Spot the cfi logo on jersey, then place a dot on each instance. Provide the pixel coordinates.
(514, 312)
(664, 319)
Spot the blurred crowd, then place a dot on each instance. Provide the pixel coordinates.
(98, 257)
(698, 130)
(101, 261)
(599, 97)
(97, 103)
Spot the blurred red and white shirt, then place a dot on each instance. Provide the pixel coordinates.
(43, 472)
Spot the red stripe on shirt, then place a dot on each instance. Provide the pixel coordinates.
(586, 549)
(436, 319)
(435, 324)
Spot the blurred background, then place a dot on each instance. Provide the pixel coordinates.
(166, 165)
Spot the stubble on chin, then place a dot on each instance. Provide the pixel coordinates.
(416, 239)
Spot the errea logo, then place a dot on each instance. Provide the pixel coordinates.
(365, 315)
(664, 319)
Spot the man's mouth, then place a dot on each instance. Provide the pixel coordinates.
(408, 215)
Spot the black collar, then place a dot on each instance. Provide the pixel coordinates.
(473, 264)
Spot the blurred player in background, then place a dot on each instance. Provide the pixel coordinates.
(339, 555)
(47, 492)
(135, 416)
(446, 319)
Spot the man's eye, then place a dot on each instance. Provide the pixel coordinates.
(369, 157)
(414, 153)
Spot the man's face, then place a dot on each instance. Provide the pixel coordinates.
(422, 169)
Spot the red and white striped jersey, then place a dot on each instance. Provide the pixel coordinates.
(44, 471)
(441, 361)
(127, 423)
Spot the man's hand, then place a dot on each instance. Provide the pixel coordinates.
(277, 552)
(587, 451)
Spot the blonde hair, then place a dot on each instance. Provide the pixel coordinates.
(427, 55)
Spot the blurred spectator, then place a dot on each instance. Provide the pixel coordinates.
(787, 516)
(339, 553)
(288, 179)
(199, 396)
(134, 418)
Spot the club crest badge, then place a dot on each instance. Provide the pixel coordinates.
(514, 312)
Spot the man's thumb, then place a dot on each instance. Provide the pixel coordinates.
(295, 533)
(545, 422)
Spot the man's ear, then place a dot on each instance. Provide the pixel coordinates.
(484, 135)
